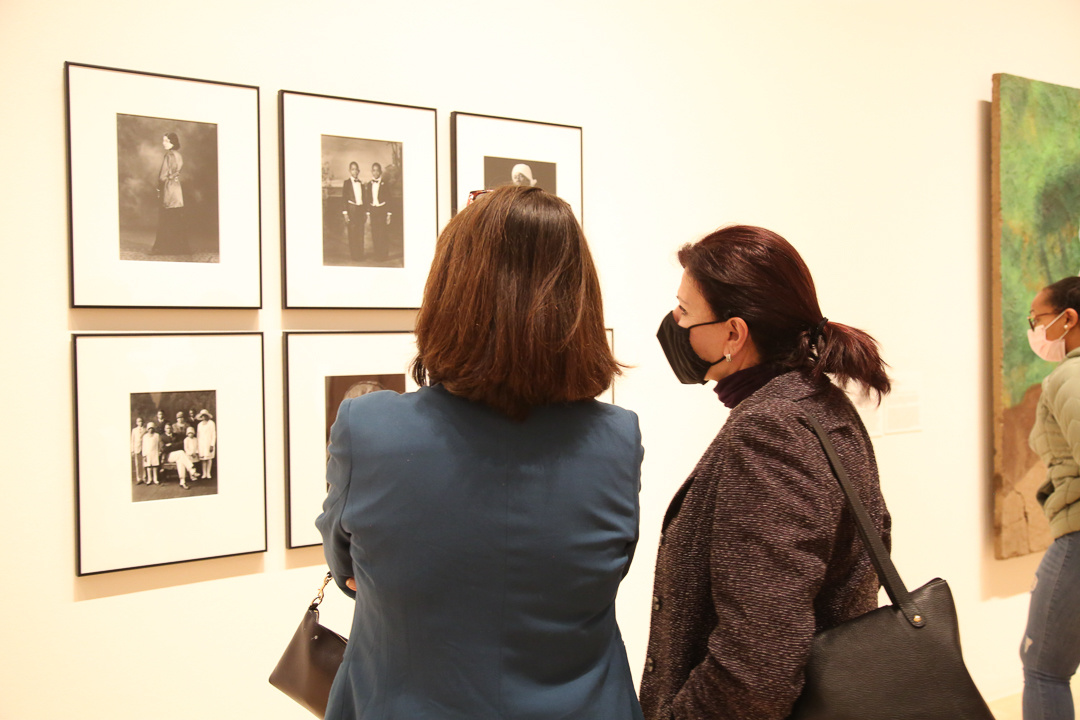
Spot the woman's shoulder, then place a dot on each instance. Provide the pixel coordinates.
(786, 401)
(586, 416)
(1066, 373)
(780, 396)
(607, 411)
(380, 401)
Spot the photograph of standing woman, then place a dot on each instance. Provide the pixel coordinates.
(167, 174)
(171, 233)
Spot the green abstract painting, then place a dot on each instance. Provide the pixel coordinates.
(1035, 195)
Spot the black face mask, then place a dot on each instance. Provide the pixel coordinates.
(675, 340)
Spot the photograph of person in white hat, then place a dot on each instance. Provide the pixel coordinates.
(206, 435)
(500, 171)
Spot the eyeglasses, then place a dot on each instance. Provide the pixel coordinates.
(473, 195)
(1032, 318)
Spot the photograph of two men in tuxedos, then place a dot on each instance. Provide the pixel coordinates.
(362, 202)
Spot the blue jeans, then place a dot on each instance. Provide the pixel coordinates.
(1050, 650)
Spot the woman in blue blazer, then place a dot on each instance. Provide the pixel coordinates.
(484, 522)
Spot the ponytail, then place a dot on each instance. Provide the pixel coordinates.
(850, 355)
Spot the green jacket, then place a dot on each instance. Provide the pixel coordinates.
(1055, 437)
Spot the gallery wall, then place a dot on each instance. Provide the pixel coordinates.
(857, 129)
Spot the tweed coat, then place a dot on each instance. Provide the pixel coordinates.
(487, 555)
(1055, 437)
(758, 552)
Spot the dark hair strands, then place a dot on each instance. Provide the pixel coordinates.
(753, 273)
(512, 315)
(1065, 294)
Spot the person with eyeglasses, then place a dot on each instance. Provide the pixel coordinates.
(484, 522)
(1050, 648)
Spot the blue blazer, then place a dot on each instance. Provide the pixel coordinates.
(487, 555)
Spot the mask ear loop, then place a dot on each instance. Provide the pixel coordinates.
(727, 355)
(1065, 329)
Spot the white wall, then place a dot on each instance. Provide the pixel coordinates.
(857, 129)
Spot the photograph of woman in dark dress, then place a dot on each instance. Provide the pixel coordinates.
(168, 197)
(171, 234)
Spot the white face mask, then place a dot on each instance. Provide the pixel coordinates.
(1050, 350)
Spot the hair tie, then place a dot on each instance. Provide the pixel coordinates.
(818, 330)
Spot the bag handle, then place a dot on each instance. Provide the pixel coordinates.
(322, 592)
(879, 555)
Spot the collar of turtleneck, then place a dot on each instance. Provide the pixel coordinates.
(740, 385)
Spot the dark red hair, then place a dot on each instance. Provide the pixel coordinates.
(754, 274)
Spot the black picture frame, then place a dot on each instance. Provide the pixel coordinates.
(486, 151)
(374, 252)
(174, 500)
(151, 226)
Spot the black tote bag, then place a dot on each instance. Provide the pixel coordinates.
(899, 662)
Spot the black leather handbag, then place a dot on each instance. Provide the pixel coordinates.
(311, 660)
(899, 662)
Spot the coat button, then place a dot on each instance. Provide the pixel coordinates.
(648, 664)
(655, 602)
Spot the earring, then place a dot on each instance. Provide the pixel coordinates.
(727, 357)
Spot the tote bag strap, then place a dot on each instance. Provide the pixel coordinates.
(879, 555)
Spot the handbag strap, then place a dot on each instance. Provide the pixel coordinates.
(879, 554)
(322, 591)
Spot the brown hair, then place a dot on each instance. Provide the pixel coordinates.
(753, 273)
(512, 315)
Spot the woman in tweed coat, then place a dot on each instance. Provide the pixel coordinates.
(758, 549)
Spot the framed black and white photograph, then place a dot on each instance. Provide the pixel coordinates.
(359, 201)
(321, 370)
(170, 445)
(487, 152)
(163, 188)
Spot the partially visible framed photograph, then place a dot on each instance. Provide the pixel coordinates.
(170, 461)
(488, 151)
(321, 370)
(163, 190)
(359, 201)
